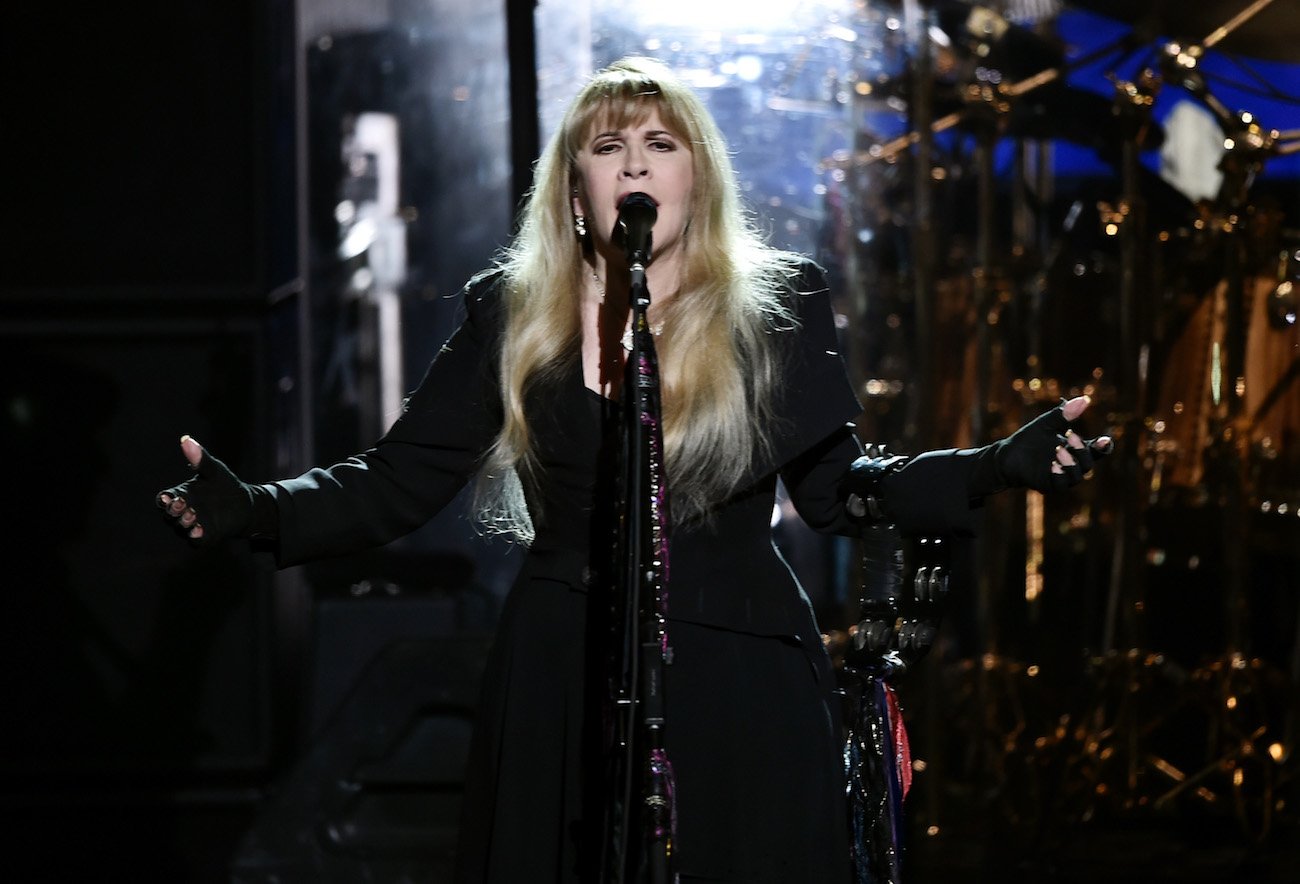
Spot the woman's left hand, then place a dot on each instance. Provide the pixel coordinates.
(1045, 454)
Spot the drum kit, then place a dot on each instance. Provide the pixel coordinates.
(1176, 311)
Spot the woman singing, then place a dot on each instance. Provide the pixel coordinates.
(524, 401)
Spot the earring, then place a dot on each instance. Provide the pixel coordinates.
(580, 225)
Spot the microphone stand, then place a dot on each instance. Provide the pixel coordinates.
(640, 618)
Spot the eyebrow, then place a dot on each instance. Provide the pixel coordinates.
(618, 133)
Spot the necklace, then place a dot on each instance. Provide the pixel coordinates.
(656, 329)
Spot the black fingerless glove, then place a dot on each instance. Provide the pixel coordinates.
(1024, 459)
(225, 506)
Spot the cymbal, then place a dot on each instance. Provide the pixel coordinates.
(1080, 116)
(1272, 33)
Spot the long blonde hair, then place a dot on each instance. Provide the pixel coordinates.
(717, 358)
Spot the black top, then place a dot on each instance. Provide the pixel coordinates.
(452, 418)
(724, 571)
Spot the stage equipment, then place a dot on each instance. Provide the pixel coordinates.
(962, 296)
(377, 796)
(1197, 417)
(1259, 29)
(1205, 428)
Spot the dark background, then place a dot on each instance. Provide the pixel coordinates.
(171, 268)
(176, 715)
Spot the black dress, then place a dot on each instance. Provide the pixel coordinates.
(752, 730)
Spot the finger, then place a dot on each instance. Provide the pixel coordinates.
(189, 518)
(1064, 457)
(1101, 446)
(176, 507)
(164, 499)
(1059, 478)
(192, 449)
(1065, 469)
(1075, 407)
(1080, 451)
(196, 533)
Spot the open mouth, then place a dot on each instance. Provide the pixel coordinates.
(622, 197)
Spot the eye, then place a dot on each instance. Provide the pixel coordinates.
(663, 145)
(606, 147)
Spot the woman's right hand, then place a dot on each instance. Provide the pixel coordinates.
(214, 505)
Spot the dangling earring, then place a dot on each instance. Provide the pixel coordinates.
(580, 225)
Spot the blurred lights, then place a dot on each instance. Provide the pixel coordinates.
(751, 14)
(362, 279)
(749, 68)
(358, 238)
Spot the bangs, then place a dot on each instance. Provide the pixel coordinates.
(611, 103)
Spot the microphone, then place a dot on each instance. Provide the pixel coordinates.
(636, 218)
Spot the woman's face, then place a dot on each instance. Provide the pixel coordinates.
(643, 157)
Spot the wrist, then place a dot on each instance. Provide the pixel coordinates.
(864, 486)
(264, 515)
(984, 478)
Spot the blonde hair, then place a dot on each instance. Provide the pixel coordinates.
(717, 359)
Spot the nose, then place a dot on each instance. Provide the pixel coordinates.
(634, 162)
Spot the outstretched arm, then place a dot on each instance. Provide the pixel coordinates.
(938, 492)
(376, 496)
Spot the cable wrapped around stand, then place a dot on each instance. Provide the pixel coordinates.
(642, 816)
